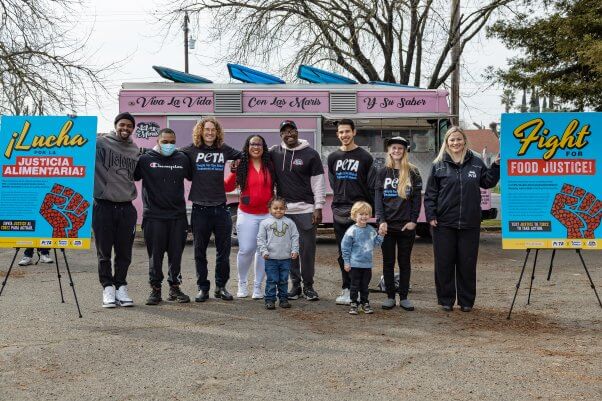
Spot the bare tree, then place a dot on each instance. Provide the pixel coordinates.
(42, 66)
(402, 41)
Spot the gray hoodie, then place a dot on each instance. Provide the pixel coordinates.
(116, 161)
(278, 238)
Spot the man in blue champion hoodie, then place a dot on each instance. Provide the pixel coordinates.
(357, 247)
(300, 181)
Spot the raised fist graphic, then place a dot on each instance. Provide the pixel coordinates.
(578, 210)
(65, 210)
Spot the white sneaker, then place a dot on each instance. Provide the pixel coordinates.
(122, 298)
(242, 292)
(344, 298)
(257, 292)
(108, 297)
(46, 259)
(26, 261)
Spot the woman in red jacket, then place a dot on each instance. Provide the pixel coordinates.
(254, 178)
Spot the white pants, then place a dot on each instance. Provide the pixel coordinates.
(247, 227)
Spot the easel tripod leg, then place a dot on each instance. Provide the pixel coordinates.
(58, 273)
(532, 277)
(551, 264)
(12, 263)
(71, 281)
(591, 282)
(518, 284)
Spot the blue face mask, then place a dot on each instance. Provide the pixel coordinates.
(167, 149)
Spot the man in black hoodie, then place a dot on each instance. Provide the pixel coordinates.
(162, 171)
(300, 180)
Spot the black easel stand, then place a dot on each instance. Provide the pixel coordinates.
(549, 275)
(58, 273)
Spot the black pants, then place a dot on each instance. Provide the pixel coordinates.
(304, 267)
(403, 242)
(29, 252)
(207, 220)
(165, 236)
(456, 254)
(341, 224)
(114, 225)
(360, 281)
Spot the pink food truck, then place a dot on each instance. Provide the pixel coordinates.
(380, 111)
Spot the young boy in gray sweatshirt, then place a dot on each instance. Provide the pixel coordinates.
(278, 242)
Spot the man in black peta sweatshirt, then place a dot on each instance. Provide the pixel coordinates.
(348, 171)
(162, 171)
(208, 155)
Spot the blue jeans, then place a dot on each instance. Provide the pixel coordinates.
(276, 271)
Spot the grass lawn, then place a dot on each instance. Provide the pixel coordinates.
(491, 224)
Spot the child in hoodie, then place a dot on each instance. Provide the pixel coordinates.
(278, 242)
(357, 246)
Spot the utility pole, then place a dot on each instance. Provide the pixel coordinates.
(186, 20)
(455, 58)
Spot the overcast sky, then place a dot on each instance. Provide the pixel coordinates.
(128, 32)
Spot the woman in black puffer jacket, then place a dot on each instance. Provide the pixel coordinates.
(452, 203)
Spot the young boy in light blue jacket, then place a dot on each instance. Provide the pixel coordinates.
(278, 242)
(357, 248)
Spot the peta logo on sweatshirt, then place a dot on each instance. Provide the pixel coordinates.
(298, 162)
(346, 169)
(210, 158)
(390, 188)
(210, 161)
(472, 174)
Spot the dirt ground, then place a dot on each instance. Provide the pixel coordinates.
(549, 350)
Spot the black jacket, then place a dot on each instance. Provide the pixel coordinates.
(390, 207)
(163, 184)
(453, 195)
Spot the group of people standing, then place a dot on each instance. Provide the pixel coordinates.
(281, 195)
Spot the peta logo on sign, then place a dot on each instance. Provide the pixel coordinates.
(391, 182)
(46, 242)
(210, 158)
(347, 165)
(472, 174)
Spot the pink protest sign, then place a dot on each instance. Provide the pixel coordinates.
(166, 102)
(402, 102)
(289, 102)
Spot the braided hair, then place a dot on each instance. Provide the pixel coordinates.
(242, 170)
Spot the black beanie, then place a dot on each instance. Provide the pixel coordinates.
(124, 116)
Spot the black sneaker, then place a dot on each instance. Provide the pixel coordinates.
(175, 294)
(270, 305)
(353, 310)
(222, 292)
(284, 304)
(294, 293)
(202, 296)
(310, 294)
(367, 309)
(155, 296)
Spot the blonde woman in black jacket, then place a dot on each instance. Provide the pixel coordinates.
(452, 203)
